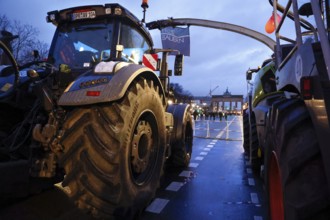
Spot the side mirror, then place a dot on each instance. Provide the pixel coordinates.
(249, 75)
(178, 65)
(250, 71)
(35, 54)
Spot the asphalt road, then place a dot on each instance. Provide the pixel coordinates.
(218, 184)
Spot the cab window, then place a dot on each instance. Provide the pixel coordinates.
(268, 82)
(134, 44)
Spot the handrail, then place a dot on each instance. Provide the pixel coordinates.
(299, 22)
(305, 24)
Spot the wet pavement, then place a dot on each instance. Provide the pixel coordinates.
(218, 184)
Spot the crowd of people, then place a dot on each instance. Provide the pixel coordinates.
(210, 115)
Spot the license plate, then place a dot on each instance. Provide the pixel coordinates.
(83, 15)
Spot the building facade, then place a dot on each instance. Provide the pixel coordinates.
(232, 104)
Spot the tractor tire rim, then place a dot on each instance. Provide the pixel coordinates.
(142, 152)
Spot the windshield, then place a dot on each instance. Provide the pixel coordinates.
(81, 46)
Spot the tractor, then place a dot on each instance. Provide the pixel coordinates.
(260, 92)
(94, 115)
(286, 127)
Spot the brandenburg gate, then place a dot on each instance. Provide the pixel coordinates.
(220, 103)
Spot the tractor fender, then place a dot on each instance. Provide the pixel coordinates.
(260, 112)
(107, 82)
(181, 117)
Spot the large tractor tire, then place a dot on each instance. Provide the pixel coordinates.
(182, 149)
(296, 181)
(113, 153)
(182, 136)
(246, 132)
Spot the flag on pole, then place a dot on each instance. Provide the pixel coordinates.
(176, 38)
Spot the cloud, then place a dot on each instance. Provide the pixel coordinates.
(217, 57)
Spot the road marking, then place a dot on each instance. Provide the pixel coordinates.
(186, 173)
(226, 129)
(174, 186)
(220, 134)
(208, 129)
(254, 198)
(157, 205)
(251, 182)
(193, 165)
(199, 158)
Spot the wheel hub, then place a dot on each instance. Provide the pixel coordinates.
(141, 147)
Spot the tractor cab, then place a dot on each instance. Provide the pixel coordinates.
(88, 35)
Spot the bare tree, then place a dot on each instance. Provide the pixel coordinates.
(4, 22)
(180, 94)
(41, 47)
(26, 42)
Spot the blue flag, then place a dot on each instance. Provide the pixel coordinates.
(176, 38)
